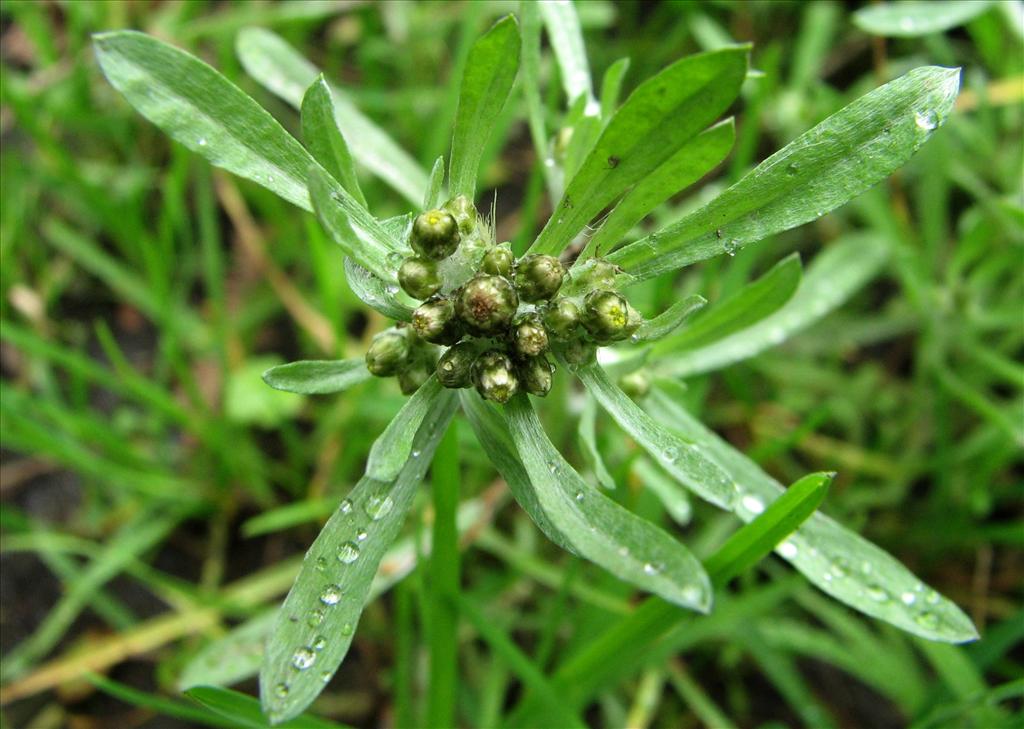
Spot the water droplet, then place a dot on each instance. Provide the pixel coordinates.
(331, 595)
(788, 550)
(838, 569)
(927, 620)
(415, 454)
(635, 338)
(908, 598)
(396, 259)
(693, 594)
(361, 535)
(731, 245)
(391, 289)
(321, 564)
(202, 142)
(907, 24)
(303, 658)
(877, 593)
(792, 168)
(931, 597)
(579, 496)
(827, 577)
(377, 507)
(623, 551)
(671, 454)
(346, 629)
(281, 690)
(345, 507)
(552, 466)
(652, 568)
(866, 567)
(270, 178)
(752, 504)
(926, 120)
(348, 553)
(316, 616)
(319, 643)
(325, 676)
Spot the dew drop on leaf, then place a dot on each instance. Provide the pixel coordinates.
(303, 658)
(331, 595)
(325, 676)
(908, 598)
(377, 507)
(652, 568)
(281, 690)
(321, 564)
(348, 553)
(877, 593)
(579, 496)
(345, 507)
(752, 504)
(927, 620)
(319, 643)
(361, 535)
(926, 120)
(788, 550)
(202, 142)
(346, 629)
(316, 616)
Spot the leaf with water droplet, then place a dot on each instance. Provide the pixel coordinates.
(325, 140)
(342, 590)
(911, 19)
(375, 293)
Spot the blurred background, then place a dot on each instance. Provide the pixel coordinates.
(154, 493)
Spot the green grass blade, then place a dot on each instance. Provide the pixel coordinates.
(563, 26)
(317, 377)
(913, 19)
(611, 87)
(838, 561)
(314, 627)
(204, 111)
(435, 187)
(232, 658)
(486, 82)
(587, 436)
(245, 710)
(683, 459)
(629, 547)
(757, 539)
(282, 70)
(671, 319)
(159, 704)
(661, 115)
(393, 448)
(751, 304)
(832, 278)
(823, 168)
(324, 139)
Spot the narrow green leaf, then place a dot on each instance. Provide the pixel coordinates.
(691, 162)
(631, 548)
(684, 460)
(317, 377)
(324, 139)
(588, 444)
(395, 445)
(435, 186)
(489, 73)
(232, 658)
(671, 319)
(757, 539)
(751, 304)
(822, 169)
(913, 19)
(675, 500)
(529, 18)
(283, 71)
(314, 627)
(176, 709)
(205, 112)
(832, 278)
(286, 517)
(661, 115)
(836, 560)
(563, 26)
(359, 234)
(611, 87)
(245, 710)
(373, 292)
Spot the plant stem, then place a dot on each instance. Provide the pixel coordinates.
(444, 583)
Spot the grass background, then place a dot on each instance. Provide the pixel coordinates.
(155, 492)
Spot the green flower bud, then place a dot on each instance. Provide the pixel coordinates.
(539, 277)
(435, 234)
(529, 337)
(435, 321)
(599, 274)
(494, 377)
(578, 352)
(418, 277)
(498, 261)
(388, 352)
(636, 384)
(486, 304)
(464, 212)
(536, 373)
(455, 368)
(606, 316)
(562, 317)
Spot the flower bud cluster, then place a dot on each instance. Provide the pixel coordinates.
(499, 317)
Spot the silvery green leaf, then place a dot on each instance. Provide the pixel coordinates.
(395, 445)
(435, 187)
(325, 141)
(912, 19)
(563, 26)
(671, 319)
(317, 377)
(375, 293)
(820, 170)
(588, 444)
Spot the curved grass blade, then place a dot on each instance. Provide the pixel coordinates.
(611, 86)
(490, 71)
(317, 377)
(375, 293)
(563, 26)
(324, 139)
(823, 168)
(913, 19)
(587, 435)
(684, 460)
(314, 627)
(631, 548)
(691, 162)
(661, 115)
(204, 111)
(838, 561)
(832, 278)
(671, 319)
(394, 446)
(435, 187)
(283, 71)
(746, 307)
(244, 710)
(230, 659)
(675, 500)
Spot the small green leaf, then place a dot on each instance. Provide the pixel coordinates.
(314, 627)
(232, 658)
(611, 87)
(375, 293)
(671, 319)
(751, 304)
(317, 377)
(359, 234)
(913, 19)
(394, 446)
(598, 528)
(822, 169)
(489, 73)
(529, 18)
(694, 159)
(588, 444)
(838, 561)
(205, 112)
(435, 186)
(282, 70)
(248, 400)
(753, 542)
(834, 276)
(661, 115)
(563, 26)
(686, 462)
(324, 139)
(244, 710)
